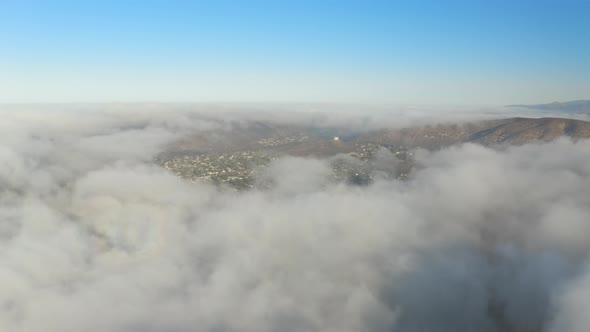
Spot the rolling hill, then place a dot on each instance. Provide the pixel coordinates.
(575, 106)
(506, 131)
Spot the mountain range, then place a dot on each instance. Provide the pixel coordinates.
(575, 106)
(512, 131)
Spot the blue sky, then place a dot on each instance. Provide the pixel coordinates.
(357, 51)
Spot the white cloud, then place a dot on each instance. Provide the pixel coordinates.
(93, 237)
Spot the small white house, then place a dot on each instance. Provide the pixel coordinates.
(336, 138)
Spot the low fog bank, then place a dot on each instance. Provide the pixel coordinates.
(95, 237)
(360, 117)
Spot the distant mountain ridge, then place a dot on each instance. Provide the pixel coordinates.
(574, 106)
(512, 131)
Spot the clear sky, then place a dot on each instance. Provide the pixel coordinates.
(362, 51)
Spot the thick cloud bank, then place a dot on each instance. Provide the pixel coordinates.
(95, 237)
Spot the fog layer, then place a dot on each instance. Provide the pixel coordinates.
(95, 237)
